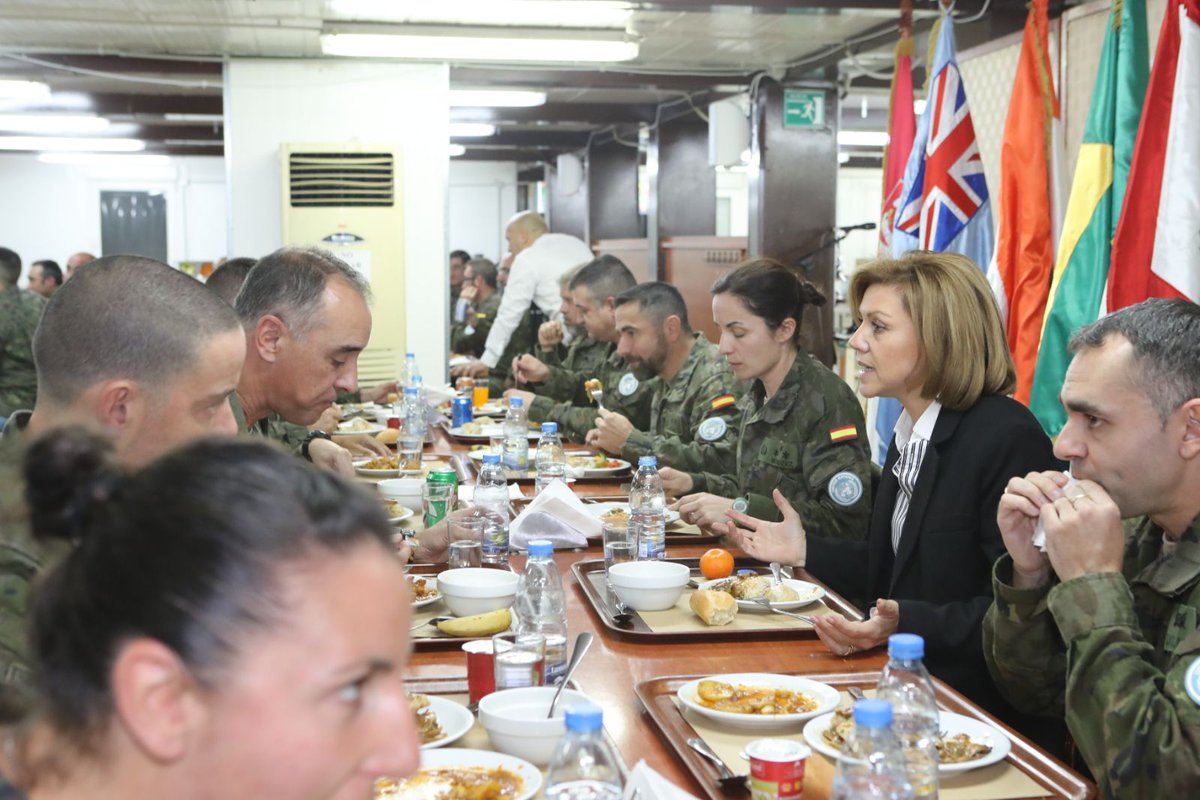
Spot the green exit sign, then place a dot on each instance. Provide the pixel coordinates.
(803, 108)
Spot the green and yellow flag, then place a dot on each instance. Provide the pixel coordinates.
(1081, 269)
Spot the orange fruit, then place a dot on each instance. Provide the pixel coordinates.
(716, 564)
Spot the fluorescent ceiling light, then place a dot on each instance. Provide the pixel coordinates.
(538, 13)
(52, 123)
(477, 44)
(66, 143)
(496, 98)
(471, 129)
(863, 138)
(843, 156)
(193, 117)
(26, 90)
(104, 159)
(455, 150)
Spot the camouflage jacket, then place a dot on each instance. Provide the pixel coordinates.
(622, 393)
(809, 440)
(584, 359)
(20, 312)
(1118, 654)
(693, 419)
(273, 427)
(21, 560)
(468, 337)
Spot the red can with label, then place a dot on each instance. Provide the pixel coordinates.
(777, 768)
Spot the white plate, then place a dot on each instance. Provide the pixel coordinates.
(531, 776)
(430, 579)
(488, 432)
(826, 696)
(359, 469)
(370, 430)
(455, 720)
(809, 594)
(600, 509)
(396, 520)
(949, 722)
(601, 472)
(491, 407)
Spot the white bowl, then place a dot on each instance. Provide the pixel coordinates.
(473, 590)
(405, 490)
(649, 585)
(516, 723)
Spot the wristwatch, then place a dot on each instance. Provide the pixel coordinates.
(308, 440)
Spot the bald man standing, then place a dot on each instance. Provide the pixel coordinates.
(76, 261)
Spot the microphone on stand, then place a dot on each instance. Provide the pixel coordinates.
(862, 226)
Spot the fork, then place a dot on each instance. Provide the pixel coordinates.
(596, 395)
(765, 603)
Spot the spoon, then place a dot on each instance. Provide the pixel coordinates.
(582, 642)
(725, 776)
(431, 621)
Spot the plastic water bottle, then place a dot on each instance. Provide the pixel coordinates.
(411, 370)
(491, 502)
(415, 426)
(905, 684)
(871, 764)
(516, 437)
(551, 460)
(541, 606)
(648, 510)
(584, 766)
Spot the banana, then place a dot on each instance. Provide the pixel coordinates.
(478, 624)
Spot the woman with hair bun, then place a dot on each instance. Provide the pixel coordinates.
(801, 427)
(200, 641)
(930, 336)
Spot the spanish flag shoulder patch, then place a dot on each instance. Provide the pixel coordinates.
(722, 401)
(844, 433)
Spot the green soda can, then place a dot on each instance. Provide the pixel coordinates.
(439, 495)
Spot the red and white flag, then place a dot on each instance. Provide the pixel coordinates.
(902, 129)
(1156, 249)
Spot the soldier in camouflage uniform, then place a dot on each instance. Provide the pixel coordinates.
(1104, 626)
(594, 290)
(566, 368)
(692, 414)
(190, 347)
(19, 314)
(469, 336)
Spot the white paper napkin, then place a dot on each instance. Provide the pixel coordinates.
(556, 515)
(436, 395)
(1039, 531)
(645, 783)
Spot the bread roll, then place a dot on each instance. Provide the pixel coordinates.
(715, 608)
(389, 436)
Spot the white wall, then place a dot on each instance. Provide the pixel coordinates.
(482, 197)
(276, 101)
(53, 210)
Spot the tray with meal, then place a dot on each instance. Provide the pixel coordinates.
(715, 612)
(580, 465)
(485, 428)
(678, 532)
(435, 626)
(983, 759)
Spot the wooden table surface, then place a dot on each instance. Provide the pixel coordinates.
(613, 667)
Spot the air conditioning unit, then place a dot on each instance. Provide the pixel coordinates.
(345, 198)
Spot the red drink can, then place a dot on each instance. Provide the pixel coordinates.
(777, 769)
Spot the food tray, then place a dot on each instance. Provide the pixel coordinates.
(589, 575)
(658, 698)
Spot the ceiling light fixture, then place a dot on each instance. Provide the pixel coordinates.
(104, 159)
(496, 98)
(194, 117)
(52, 123)
(69, 144)
(425, 43)
(541, 13)
(471, 129)
(25, 90)
(863, 138)
(455, 150)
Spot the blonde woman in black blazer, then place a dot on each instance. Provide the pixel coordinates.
(931, 337)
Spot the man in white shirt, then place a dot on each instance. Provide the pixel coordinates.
(540, 258)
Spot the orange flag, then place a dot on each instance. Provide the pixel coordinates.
(1024, 260)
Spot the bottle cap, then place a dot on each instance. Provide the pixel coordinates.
(906, 645)
(541, 547)
(648, 461)
(584, 718)
(410, 355)
(410, 390)
(549, 427)
(516, 402)
(491, 458)
(873, 713)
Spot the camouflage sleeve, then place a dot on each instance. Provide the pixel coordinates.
(1136, 727)
(1021, 645)
(701, 452)
(723, 485)
(564, 385)
(554, 356)
(468, 340)
(289, 435)
(16, 576)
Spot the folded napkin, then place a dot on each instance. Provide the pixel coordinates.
(466, 494)
(1039, 530)
(556, 515)
(436, 395)
(645, 783)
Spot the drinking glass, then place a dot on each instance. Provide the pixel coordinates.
(479, 395)
(466, 542)
(619, 545)
(520, 660)
(408, 453)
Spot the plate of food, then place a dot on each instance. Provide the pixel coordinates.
(758, 701)
(788, 595)
(618, 513)
(965, 743)
(396, 512)
(423, 589)
(453, 772)
(486, 428)
(356, 426)
(492, 407)
(596, 466)
(439, 721)
(378, 467)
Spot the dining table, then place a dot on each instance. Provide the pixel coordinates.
(623, 671)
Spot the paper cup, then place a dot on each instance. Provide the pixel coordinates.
(777, 769)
